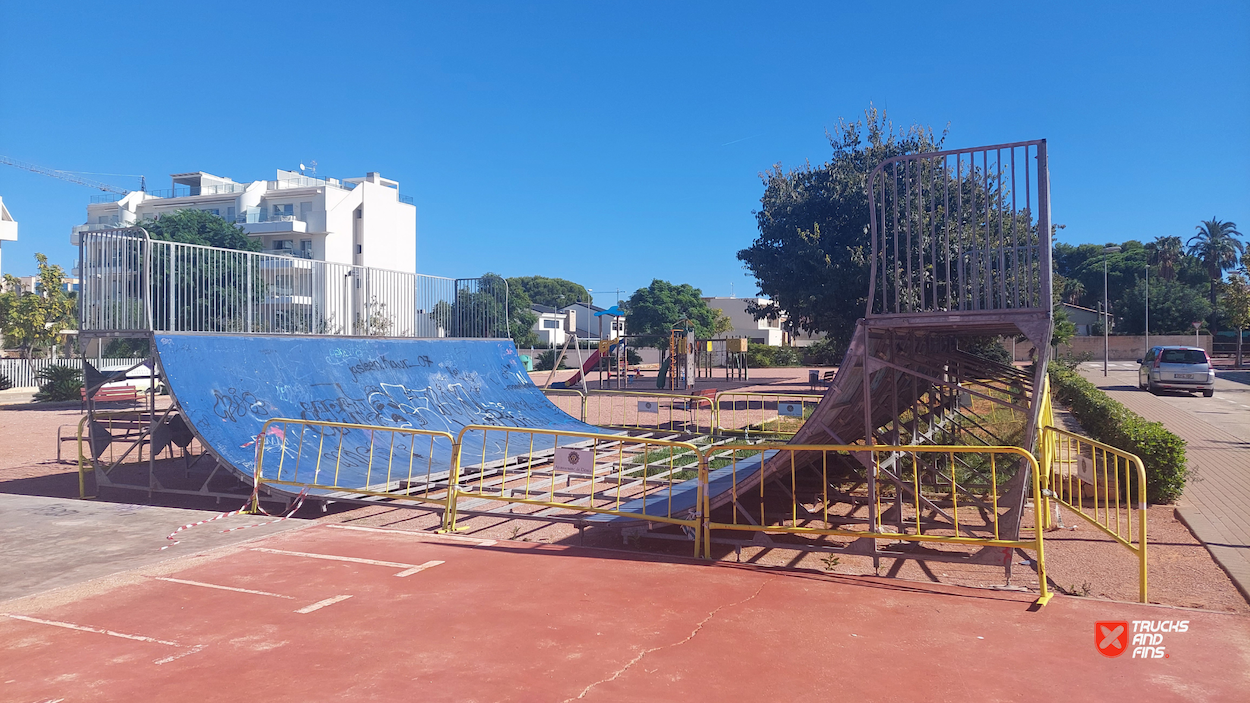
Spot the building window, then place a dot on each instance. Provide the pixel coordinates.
(283, 244)
(287, 210)
(360, 249)
(230, 214)
(305, 245)
(551, 324)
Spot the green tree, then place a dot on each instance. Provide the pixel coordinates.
(1173, 306)
(811, 255)
(1166, 253)
(1217, 246)
(212, 296)
(660, 307)
(552, 292)
(35, 319)
(478, 311)
(200, 227)
(1235, 306)
(1073, 290)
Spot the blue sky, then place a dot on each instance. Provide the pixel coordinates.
(615, 143)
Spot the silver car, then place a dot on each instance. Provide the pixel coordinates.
(1176, 369)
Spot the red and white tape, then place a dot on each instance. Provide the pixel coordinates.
(252, 500)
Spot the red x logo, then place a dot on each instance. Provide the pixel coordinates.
(1111, 638)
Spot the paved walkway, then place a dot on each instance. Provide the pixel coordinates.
(334, 613)
(1216, 504)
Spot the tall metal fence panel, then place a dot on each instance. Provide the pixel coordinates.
(131, 283)
(960, 230)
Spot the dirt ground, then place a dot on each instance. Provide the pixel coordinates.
(1081, 561)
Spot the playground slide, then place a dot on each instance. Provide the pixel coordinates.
(591, 363)
(228, 386)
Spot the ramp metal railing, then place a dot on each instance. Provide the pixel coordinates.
(131, 283)
(961, 230)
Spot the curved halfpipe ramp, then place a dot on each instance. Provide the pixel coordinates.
(227, 386)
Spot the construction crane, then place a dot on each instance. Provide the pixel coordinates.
(75, 177)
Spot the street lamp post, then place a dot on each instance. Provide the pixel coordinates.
(1147, 310)
(1106, 310)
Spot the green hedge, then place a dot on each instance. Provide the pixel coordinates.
(1109, 422)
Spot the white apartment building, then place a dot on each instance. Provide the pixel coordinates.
(8, 230)
(767, 331)
(361, 221)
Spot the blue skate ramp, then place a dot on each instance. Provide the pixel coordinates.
(228, 386)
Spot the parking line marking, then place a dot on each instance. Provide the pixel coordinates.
(422, 567)
(223, 588)
(407, 569)
(321, 604)
(420, 535)
(191, 649)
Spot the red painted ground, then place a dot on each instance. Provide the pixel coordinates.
(540, 623)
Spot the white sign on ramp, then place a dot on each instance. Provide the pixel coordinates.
(575, 461)
(648, 406)
(790, 409)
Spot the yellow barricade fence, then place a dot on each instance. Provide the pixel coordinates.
(564, 474)
(571, 400)
(1103, 485)
(693, 414)
(768, 414)
(399, 463)
(927, 493)
(933, 494)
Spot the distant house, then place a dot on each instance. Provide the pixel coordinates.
(1083, 318)
(8, 227)
(766, 331)
(552, 326)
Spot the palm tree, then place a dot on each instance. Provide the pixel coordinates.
(1167, 252)
(1216, 244)
(1073, 291)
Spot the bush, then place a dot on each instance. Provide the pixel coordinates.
(59, 383)
(762, 356)
(824, 353)
(547, 358)
(1109, 422)
(5, 383)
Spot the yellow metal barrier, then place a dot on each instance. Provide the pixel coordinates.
(571, 400)
(1101, 484)
(770, 414)
(952, 480)
(694, 414)
(612, 472)
(404, 470)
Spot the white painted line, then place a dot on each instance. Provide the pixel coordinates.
(418, 569)
(419, 535)
(191, 649)
(321, 604)
(223, 588)
(407, 568)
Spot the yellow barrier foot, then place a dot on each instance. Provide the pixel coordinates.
(1043, 600)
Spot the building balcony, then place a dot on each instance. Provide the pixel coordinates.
(272, 224)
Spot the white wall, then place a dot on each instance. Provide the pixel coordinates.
(744, 324)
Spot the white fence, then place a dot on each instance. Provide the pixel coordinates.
(131, 283)
(23, 373)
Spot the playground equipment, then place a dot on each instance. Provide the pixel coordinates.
(732, 353)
